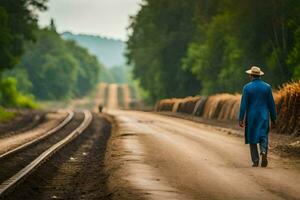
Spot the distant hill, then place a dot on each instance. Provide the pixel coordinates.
(110, 52)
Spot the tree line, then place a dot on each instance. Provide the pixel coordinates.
(52, 68)
(36, 62)
(186, 47)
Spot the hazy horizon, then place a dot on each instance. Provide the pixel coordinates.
(106, 18)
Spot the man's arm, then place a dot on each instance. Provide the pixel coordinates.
(271, 106)
(243, 107)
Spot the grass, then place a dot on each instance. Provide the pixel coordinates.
(5, 115)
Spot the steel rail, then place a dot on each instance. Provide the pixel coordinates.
(8, 185)
(36, 140)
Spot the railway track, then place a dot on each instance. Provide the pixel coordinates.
(38, 139)
(17, 164)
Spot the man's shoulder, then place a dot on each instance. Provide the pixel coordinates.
(267, 85)
(248, 85)
(255, 84)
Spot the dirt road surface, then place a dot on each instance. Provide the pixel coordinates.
(127, 98)
(158, 157)
(100, 96)
(112, 96)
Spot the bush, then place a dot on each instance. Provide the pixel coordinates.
(5, 115)
(26, 101)
(10, 97)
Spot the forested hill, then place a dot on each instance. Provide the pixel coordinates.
(108, 51)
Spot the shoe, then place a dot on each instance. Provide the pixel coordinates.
(255, 164)
(264, 160)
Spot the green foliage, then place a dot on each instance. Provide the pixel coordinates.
(239, 34)
(6, 59)
(120, 73)
(11, 97)
(17, 22)
(24, 84)
(48, 65)
(106, 76)
(57, 69)
(161, 32)
(109, 51)
(50, 68)
(9, 92)
(26, 101)
(88, 71)
(6, 115)
(294, 56)
(180, 48)
(215, 59)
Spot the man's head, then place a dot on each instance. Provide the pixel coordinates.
(255, 72)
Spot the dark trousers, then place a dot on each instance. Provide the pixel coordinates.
(263, 145)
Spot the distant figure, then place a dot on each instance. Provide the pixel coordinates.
(100, 108)
(257, 105)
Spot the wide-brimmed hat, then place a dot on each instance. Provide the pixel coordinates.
(255, 71)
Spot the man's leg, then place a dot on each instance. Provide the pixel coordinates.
(263, 144)
(254, 154)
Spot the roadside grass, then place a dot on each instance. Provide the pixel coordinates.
(6, 115)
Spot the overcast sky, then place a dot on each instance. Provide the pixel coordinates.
(98, 17)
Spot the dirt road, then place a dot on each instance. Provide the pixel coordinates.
(100, 96)
(127, 96)
(112, 96)
(158, 157)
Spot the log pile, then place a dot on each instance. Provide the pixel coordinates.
(288, 109)
(165, 105)
(226, 107)
(187, 105)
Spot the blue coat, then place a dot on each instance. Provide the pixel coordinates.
(257, 104)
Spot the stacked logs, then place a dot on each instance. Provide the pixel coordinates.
(165, 105)
(222, 107)
(288, 108)
(226, 107)
(187, 105)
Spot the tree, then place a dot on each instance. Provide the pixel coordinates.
(57, 69)
(237, 34)
(161, 32)
(17, 22)
(88, 69)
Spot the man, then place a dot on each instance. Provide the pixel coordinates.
(257, 105)
(100, 108)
